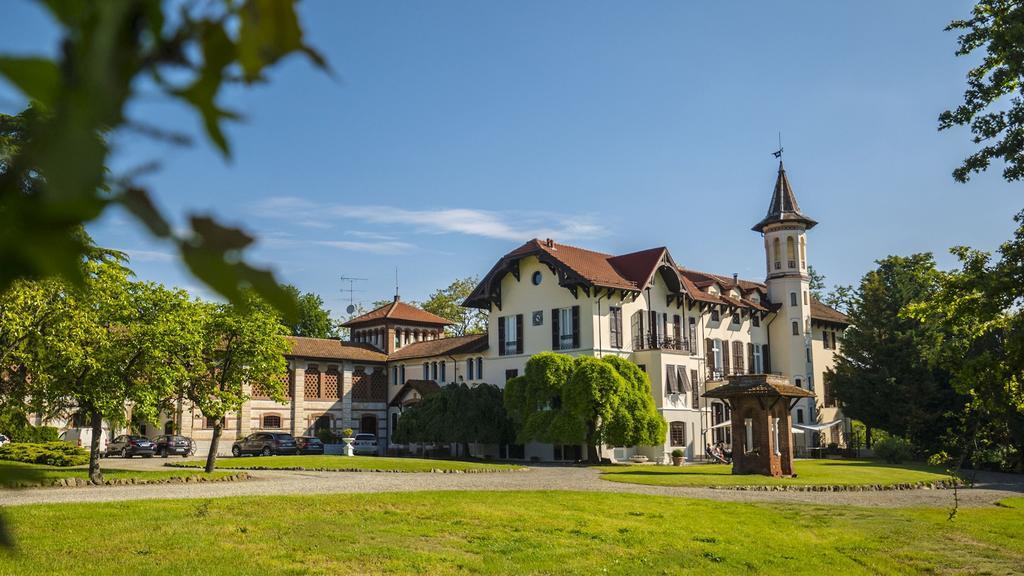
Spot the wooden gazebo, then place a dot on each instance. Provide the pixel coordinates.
(761, 422)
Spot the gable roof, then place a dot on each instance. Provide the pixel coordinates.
(767, 385)
(468, 344)
(330, 349)
(423, 387)
(783, 207)
(398, 310)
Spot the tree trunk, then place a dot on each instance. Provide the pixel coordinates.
(465, 449)
(95, 474)
(211, 457)
(593, 456)
(867, 437)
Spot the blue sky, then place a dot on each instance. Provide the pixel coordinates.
(455, 131)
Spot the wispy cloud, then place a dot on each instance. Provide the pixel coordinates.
(469, 221)
(379, 247)
(149, 255)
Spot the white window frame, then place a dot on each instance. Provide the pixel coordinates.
(758, 366)
(565, 340)
(511, 336)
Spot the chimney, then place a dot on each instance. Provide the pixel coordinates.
(397, 297)
(549, 243)
(735, 279)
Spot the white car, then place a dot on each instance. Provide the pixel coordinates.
(365, 444)
(83, 437)
(4, 440)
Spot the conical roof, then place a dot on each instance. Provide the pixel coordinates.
(783, 207)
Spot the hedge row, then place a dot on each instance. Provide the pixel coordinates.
(922, 485)
(49, 453)
(82, 482)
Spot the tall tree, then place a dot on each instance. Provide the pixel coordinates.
(585, 400)
(993, 106)
(239, 346)
(980, 340)
(817, 283)
(186, 52)
(312, 319)
(447, 303)
(882, 376)
(457, 414)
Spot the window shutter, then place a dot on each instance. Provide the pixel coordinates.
(737, 350)
(670, 379)
(709, 355)
(555, 318)
(519, 334)
(575, 326)
(766, 358)
(682, 382)
(695, 399)
(677, 328)
(501, 336)
(750, 357)
(725, 356)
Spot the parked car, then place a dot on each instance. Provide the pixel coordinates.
(309, 445)
(265, 444)
(365, 444)
(127, 446)
(170, 444)
(4, 439)
(83, 436)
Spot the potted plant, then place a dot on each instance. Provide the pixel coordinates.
(678, 457)
(346, 437)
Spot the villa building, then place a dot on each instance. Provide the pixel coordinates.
(686, 329)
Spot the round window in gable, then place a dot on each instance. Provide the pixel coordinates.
(537, 278)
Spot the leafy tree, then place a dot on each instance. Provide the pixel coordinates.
(993, 107)
(235, 345)
(457, 414)
(343, 332)
(109, 350)
(313, 320)
(447, 303)
(53, 160)
(840, 298)
(882, 376)
(817, 283)
(980, 340)
(585, 400)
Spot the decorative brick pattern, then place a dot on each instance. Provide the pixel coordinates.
(312, 383)
(369, 387)
(330, 385)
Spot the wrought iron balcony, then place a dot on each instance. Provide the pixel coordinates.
(655, 342)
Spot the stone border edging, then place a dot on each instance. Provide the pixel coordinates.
(386, 471)
(921, 485)
(83, 482)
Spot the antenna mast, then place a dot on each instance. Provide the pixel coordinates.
(351, 290)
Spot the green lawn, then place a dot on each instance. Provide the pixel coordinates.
(809, 472)
(14, 474)
(507, 533)
(346, 463)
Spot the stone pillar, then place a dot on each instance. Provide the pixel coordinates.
(245, 413)
(346, 395)
(389, 335)
(299, 400)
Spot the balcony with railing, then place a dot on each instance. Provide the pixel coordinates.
(657, 342)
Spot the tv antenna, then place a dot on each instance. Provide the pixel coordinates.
(351, 291)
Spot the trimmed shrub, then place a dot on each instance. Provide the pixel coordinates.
(49, 453)
(678, 453)
(894, 449)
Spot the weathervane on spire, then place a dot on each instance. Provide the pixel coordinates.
(778, 153)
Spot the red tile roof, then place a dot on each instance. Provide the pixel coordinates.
(330, 349)
(469, 344)
(398, 310)
(825, 313)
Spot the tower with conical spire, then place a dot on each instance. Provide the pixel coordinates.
(785, 244)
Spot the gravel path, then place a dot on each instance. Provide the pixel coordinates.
(990, 488)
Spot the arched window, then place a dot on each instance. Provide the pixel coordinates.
(271, 421)
(796, 328)
(322, 422)
(790, 252)
(803, 252)
(480, 368)
(368, 424)
(169, 427)
(777, 251)
(677, 433)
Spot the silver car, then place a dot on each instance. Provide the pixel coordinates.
(365, 444)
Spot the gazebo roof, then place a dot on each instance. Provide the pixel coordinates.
(763, 385)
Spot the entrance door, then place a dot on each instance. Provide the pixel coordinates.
(368, 424)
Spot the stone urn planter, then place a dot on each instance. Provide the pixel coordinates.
(638, 459)
(347, 440)
(678, 457)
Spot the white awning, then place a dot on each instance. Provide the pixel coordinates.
(818, 427)
(729, 423)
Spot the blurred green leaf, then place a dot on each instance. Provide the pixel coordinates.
(37, 78)
(270, 31)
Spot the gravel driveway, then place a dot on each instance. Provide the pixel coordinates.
(990, 487)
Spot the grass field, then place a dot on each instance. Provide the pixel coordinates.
(506, 533)
(809, 472)
(343, 463)
(20, 474)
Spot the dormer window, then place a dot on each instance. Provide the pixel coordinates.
(714, 315)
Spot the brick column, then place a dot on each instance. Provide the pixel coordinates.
(346, 395)
(245, 413)
(299, 400)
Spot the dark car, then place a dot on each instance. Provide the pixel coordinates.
(265, 444)
(127, 446)
(179, 445)
(309, 445)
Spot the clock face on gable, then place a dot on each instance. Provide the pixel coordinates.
(538, 318)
